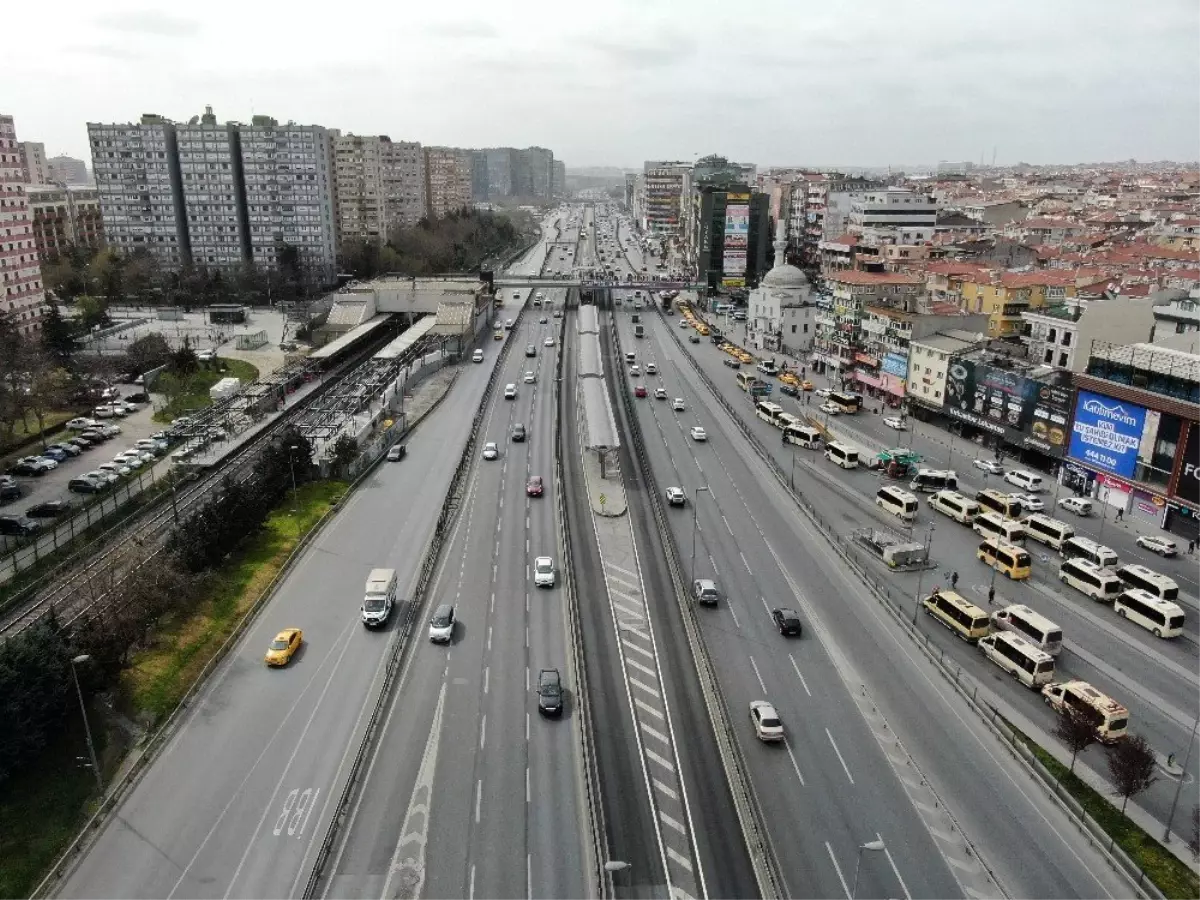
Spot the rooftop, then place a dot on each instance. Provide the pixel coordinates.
(881, 278)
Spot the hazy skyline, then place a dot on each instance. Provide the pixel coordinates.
(872, 84)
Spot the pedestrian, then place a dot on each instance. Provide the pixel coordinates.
(954, 580)
(1191, 547)
(1120, 515)
(992, 594)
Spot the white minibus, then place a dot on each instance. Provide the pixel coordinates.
(1085, 576)
(1023, 620)
(898, 502)
(1020, 657)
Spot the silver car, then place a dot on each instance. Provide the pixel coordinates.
(441, 624)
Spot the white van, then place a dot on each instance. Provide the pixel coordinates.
(1160, 586)
(990, 524)
(803, 436)
(1163, 618)
(1050, 532)
(1110, 717)
(1020, 657)
(898, 502)
(953, 504)
(1086, 548)
(379, 597)
(842, 455)
(1026, 480)
(1023, 620)
(1089, 578)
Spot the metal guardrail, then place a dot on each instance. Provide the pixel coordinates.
(587, 747)
(750, 816)
(964, 683)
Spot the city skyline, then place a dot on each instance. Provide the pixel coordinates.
(1067, 85)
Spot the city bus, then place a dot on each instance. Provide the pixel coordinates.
(847, 403)
(747, 380)
(767, 411)
(802, 435)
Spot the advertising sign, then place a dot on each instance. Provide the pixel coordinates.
(1024, 412)
(736, 241)
(1107, 433)
(737, 219)
(1188, 488)
(896, 364)
(737, 198)
(733, 263)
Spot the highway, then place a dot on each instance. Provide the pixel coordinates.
(239, 799)
(470, 791)
(1156, 679)
(834, 773)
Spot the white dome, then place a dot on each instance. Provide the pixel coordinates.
(785, 276)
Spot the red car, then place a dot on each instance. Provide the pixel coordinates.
(639, 391)
(533, 487)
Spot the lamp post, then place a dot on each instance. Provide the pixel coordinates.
(875, 847)
(612, 867)
(1182, 775)
(792, 478)
(695, 517)
(921, 574)
(1103, 498)
(292, 468)
(87, 728)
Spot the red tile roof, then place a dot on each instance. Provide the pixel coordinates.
(854, 277)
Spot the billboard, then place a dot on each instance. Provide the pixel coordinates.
(1024, 412)
(737, 219)
(1188, 487)
(1107, 433)
(896, 364)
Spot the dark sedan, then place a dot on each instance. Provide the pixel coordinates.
(18, 526)
(787, 621)
(51, 509)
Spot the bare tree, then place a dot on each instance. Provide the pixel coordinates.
(1131, 766)
(47, 383)
(1075, 729)
(1194, 840)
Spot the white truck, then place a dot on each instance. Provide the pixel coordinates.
(224, 389)
(379, 597)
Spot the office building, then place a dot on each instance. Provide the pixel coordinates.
(289, 176)
(210, 167)
(33, 161)
(447, 180)
(894, 214)
(666, 187)
(67, 170)
(729, 232)
(64, 216)
(136, 166)
(24, 296)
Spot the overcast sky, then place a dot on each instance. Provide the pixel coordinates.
(863, 83)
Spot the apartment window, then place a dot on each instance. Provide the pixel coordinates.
(1048, 357)
(1066, 340)
(1062, 360)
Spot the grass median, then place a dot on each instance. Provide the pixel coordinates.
(1168, 872)
(58, 787)
(189, 393)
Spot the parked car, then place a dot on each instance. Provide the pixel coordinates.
(1081, 506)
(988, 465)
(1030, 502)
(33, 465)
(82, 423)
(19, 526)
(66, 447)
(51, 509)
(9, 488)
(57, 454)
(1155, 544)
(84, 485)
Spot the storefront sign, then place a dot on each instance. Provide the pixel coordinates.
(1107, 433)
(1188, 488)
(865, 358)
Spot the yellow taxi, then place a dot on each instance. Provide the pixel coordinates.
(789, 378)
(284, 647)
(806, 385)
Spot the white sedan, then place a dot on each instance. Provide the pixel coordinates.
(530, 378)
(831, 408)
(1155, 544)
(543, 572)
(549, 342)
(490, 450)
(677, 404)
(1029, 502)
(767, 724)
(651, 369)
(676, 496)
(698, 433)
(822, 392)
(988, 465)
(894, 422)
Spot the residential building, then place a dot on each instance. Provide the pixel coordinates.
(534, 174)
(498, 166)
(447, 181)
(210, 172)
(780, 311)
(559, 185)
(403, 175)
(1176, 312)
(67, 170)
(1004, 296)
(929, 365)
(380, 185)
(24, 297)
(665, 187)
(64, 216)
(839, 324)
(289, 176)
(881, 360)
(896, 214)
(995, 212)
(728, 234)
(33, 161)
(1054, 334)
(136, 166)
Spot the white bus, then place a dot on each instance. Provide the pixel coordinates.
(1086, 548)
(989, 524)
(1020, 657)
(1023, 620)
(1050, 532)
(802, 435)
(1161, 617)
(747, 380)
(841, 455)
(1110, 717)
(955, 505)
(1148, 580)
(1085, 576)
(930, 480)
(997, 502)
(767, 411)
(785, 420)
(898, 502)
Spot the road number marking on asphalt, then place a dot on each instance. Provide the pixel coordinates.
(297, 807)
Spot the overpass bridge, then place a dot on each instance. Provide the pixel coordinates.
(591, 283)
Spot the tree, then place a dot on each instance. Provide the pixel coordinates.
(12, 393)
(35, 682)
(345, 451)
(93, 311)
(148, 352)
(1075, 729)
(58, 335)
(1131, 766)
(184, 361)
(48, 384)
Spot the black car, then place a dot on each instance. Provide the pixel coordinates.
(789, 390)
(530, 350)
(550, 692)
(518, 433)
(82, 443)
(85, 486)
(9, 489)
(51, 509)
(96, 437)
(787, 621)
(694, 338)
(26, 469)
(19, 526)
(732, 363)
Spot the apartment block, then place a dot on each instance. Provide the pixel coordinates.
(896, 214)
(65, 216)
(559, 186)
(447, 180)
(288, 171)
(24, 296)
(1054, 334)
(67, 170)
(534, 175)
(33, 161)
(210, 166)
(136, 166)
(380, 185)
(840, 335)
(665, 190)
(403, 174)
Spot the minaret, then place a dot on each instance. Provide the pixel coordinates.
(780, 245)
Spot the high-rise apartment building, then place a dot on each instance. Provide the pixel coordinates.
(665, 189)
(136, 166)
(447, 180)
(558, 188)
(67, 170)
(894, 214)
(289, 177)
(534, 175)
(210, 168)
(24, 296)
(33, 161)
(380, 185)
(65, 216)
(499, 172)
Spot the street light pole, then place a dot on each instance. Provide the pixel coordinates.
(292, 468)
(1182, 775)
(695, 517)
(874, 846)
(87, 728)
(921, 574)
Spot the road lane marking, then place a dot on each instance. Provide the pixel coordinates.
(661, 760)
(483, 731)
(527, 784)
(633, 575)
(642, 668)
(799, 675)
(712, 562)
(726, 521)
(641, 685)
(485, 681)
(795, 765)
(471, 889)
(632, 646)
(839, 756)
(746, 564)
(671, 822)
(527, 727)
(681, 859)
(669, 791)
(838, 869)
(653, 732)
(767, 608)
(892, 863)
(760, 680)
(478, 798)
(733, 613)
(489, 640)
